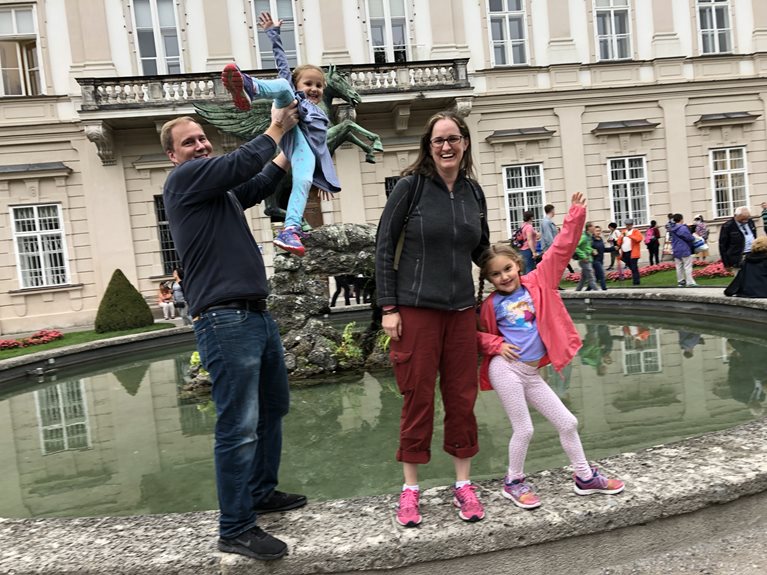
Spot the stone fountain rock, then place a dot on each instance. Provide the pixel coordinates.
(299, 297)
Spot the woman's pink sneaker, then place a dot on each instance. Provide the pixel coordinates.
(469, 507)
(408, 514)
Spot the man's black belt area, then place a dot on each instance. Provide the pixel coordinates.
(243, 304)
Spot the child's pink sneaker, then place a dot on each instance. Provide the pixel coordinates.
(520, 493)
(469, 507)
(408, 514)
(239, 86)
(597, 484)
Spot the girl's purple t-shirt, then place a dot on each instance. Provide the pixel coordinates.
(515, 316)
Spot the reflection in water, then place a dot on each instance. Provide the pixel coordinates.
(122, 440)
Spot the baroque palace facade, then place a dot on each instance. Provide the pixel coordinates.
(648, 106)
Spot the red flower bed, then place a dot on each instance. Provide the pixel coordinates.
(37, 338)
(710, 270)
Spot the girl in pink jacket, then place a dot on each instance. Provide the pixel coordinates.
(523, 326)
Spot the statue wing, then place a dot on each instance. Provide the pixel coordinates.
(230, 120)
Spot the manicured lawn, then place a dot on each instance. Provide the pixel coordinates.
(75, 337)
(659, 279)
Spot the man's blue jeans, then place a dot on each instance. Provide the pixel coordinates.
(243, 353)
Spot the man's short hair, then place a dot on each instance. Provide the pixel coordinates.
(548, 208)
(166, 132)
(740, 210)
(678, 218)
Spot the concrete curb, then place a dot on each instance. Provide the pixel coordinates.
(361, 534)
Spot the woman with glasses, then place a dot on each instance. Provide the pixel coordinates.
(433, 226)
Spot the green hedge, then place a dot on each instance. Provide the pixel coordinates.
(122, 307)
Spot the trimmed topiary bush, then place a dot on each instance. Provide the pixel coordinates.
(122, 307)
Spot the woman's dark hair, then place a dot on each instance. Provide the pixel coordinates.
(424, 164)
(653, 223)
(180, 271)
(612, 225)
(527, 216)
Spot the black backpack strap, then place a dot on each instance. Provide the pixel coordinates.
(414, 193)
(480, 197)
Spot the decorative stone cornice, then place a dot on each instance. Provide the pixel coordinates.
(624, 127)
(101, 134)
(463, 105)
(401, 117)
(725, 119)
(519, 135)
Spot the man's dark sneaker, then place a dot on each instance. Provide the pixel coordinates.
(280, 501)
(255, 543)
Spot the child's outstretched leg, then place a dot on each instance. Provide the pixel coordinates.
(587, 479)
(239, 85)
(302, 162)
(244, 89)
(508, 380)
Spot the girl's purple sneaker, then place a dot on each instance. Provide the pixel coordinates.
(597, 484)
(520, 493)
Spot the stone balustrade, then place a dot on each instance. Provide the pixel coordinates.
(369, 80)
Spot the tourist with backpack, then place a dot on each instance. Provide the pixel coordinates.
(652, 241)
(432, 227)
(527, 249)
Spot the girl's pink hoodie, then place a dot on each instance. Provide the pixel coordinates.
(555, 326)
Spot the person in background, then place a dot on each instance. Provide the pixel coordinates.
(736, 236)
(585, 255)
(682, 248)
(226, 287)
(701, 230)
(613, 237)
(527, 251)
(524, 326)
(428, 306)
(631, 240)
(764, 216)
(652, 241)
(343, 283)
(751, 280)
(165, 301)
(549, 229)
(179, 301)
(599, 249)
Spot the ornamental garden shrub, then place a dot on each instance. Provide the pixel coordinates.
(37, 338)
(122, 307)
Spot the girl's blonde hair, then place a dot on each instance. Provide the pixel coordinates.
(305, 67)
(493, 251)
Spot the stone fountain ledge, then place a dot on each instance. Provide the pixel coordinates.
(361, 535)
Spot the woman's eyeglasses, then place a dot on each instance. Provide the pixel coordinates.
(439, 142)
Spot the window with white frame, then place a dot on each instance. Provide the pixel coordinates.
(157, 36)
(280, 10)
(613, 29)
(62, 417)
(168, 253)
(628, 189)
(714, 26)
(38, 235)
(641, 350)
(728, 180)
(507, 32)
(387, 22)
(523, 186)
(19, 61)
